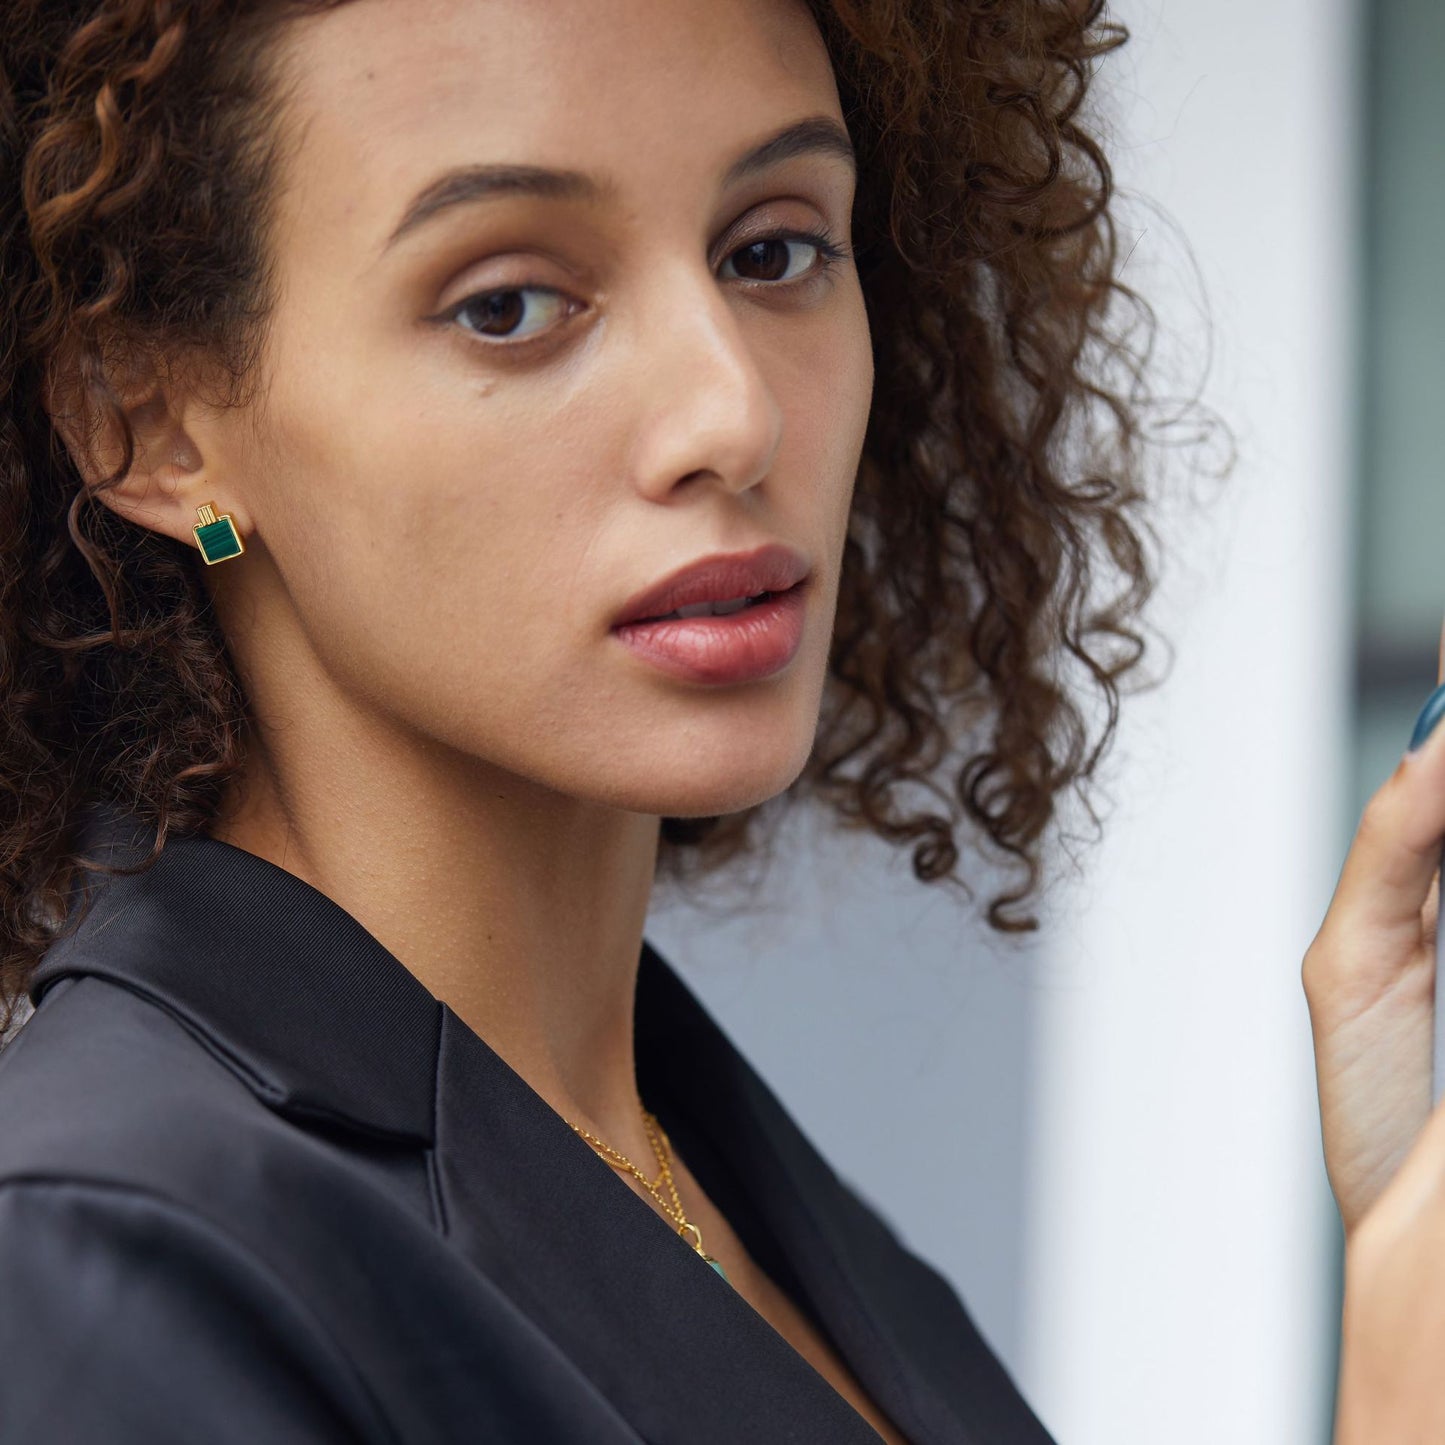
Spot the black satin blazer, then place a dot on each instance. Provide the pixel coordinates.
(258, 1185)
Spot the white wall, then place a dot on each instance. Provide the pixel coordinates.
(1180, 1226)
(1108, 1137)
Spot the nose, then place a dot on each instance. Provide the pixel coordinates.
(705, 412)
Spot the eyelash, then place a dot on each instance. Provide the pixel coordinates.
(829, 254)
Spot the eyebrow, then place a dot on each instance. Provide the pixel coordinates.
(465, 185)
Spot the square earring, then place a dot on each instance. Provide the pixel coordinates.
(217, 537)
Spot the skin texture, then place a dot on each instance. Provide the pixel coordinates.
(441, 524)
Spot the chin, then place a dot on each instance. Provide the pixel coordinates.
(697, 787)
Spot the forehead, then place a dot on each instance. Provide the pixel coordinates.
(651, 92)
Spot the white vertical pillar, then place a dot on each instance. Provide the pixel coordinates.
(1178, 1267)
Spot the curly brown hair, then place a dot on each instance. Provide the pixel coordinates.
(996, 538)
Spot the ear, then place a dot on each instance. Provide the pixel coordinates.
(168, 480)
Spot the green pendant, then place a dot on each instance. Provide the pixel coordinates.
(717, 1266)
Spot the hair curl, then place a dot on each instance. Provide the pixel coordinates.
(996, 538)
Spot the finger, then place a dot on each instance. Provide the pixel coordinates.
(1430, 918)
(1393, 858)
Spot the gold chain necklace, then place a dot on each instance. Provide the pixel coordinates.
(661, 1144)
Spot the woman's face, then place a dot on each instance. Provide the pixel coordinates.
(482, 433)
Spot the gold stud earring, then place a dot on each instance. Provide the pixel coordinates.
(217, 537)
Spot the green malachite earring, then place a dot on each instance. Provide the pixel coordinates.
(217, 537)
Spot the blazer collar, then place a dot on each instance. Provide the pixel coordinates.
(257, 963)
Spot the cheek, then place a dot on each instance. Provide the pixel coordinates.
(829, 394)
(430, 553)
(853, 381)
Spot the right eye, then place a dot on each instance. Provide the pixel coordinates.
(499, 314)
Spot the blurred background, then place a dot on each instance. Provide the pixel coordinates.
(1106, 1134)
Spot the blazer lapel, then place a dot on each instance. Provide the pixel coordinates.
(682, 1356)
(901, 1328)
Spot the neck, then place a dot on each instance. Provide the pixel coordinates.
(519, 907)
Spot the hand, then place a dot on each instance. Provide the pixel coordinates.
(1369, 979)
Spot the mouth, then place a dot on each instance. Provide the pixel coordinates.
(721, 585)
(722, 641)
(714, 609)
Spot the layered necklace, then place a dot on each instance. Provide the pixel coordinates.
(671, 1205)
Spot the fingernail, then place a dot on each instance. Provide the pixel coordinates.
(1430, 714)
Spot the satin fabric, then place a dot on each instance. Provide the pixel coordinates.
(257, 1184)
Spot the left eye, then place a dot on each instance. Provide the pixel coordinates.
(770, 257)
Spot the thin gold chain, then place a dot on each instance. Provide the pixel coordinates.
(621, 1160)
(661, 1146)
(660, 1152)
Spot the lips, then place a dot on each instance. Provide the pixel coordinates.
(724, 577)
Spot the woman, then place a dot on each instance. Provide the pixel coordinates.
(463, 340)
(454, 338)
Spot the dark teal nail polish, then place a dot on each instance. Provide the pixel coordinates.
(1430, 714)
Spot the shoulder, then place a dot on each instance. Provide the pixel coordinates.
(103, 1084)
(181, 1262)
(146, 1196)
(104, 1087)
(106, 1082)
(100, 1080)
(128, 1318)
